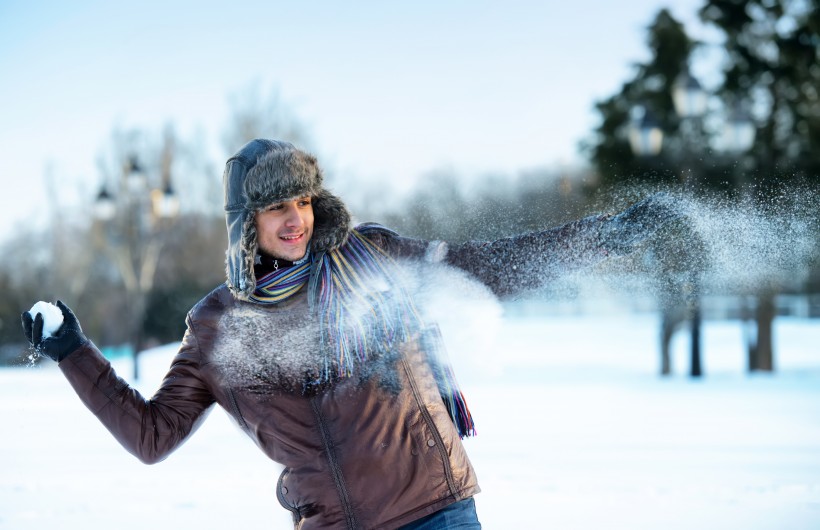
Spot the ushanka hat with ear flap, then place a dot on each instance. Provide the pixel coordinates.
(265, 172)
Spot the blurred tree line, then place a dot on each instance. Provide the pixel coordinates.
(770, 68)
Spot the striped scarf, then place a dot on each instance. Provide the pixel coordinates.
(281, 283)
(364, 311)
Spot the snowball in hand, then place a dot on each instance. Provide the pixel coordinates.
(52, 317)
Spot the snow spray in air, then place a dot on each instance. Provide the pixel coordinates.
(721, 245)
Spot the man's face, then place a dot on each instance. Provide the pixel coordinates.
(283, 229)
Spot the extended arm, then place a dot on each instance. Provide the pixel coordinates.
(150, 429)
(517, 264)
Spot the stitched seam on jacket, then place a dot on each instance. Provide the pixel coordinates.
(335, 468)
(235, 407)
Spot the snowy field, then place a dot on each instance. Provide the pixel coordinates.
(576, 431)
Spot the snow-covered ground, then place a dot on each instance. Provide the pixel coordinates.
(576, 431)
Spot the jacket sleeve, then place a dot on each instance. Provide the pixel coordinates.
(515, 265)
(150, 429)
(518, 264)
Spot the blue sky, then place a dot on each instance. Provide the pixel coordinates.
(388, 90)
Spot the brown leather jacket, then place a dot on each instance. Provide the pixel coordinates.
(355, 457)
(356, 454)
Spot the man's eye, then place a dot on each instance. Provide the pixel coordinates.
(304, 202)
(274, 207)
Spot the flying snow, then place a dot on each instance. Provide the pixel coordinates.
(717, 247)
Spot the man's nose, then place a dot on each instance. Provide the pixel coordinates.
(294, 217)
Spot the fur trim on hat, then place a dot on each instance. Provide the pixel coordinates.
(331, 222)
(282, 175)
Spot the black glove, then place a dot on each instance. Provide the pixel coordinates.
(622, 232)
(67, 339)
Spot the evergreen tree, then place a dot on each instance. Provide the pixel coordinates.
(651, 89)
(772, 57)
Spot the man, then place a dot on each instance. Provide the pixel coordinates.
(315, 347)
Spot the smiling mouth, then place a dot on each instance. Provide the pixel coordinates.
(295, 237)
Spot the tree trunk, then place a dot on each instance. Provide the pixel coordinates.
(136, 319)
(696, 368)
(668, 322)
(750, 332)
(761, 353)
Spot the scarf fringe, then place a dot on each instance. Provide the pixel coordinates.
(451, 394)
(457, 407)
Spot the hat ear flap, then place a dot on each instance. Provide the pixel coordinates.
(331, 222)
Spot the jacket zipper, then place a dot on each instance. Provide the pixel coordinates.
(335, 468)
(448, 472)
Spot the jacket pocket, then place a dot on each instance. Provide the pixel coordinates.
(281, 491)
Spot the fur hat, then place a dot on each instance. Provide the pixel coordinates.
(266, 172)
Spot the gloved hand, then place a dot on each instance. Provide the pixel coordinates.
(67, 339)
(622, 232)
